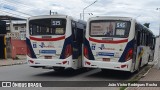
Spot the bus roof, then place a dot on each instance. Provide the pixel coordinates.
(145, 28)
(47, 16)
(56, 16)
(110, 17)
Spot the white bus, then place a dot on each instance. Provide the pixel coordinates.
(118, 43)
(54, 41)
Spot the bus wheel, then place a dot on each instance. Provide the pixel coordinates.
(58, 69)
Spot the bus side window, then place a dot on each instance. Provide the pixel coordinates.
(153, 43)
(138, 35)
(138, 38)
(74, 30)
(143, 37)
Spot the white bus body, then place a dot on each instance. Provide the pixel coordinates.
(118, 43)
(53, 42)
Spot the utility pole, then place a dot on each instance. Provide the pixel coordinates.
(85, 13)
(87, 7)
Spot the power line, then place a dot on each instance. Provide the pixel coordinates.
(22, 4)
(20, 12)
(12, 13)
(19, 6)
(15, 10)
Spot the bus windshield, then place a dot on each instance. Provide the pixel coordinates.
(51, 26)
(106, 28)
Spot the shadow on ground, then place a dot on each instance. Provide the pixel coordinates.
(116, 75)
(112, 74)
(92, 74)
(65, 73)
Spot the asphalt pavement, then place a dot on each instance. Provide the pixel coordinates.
(22, 72)
(18, 70)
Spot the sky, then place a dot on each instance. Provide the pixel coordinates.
(144, 11)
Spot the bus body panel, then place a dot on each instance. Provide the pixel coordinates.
(55, 50)
(118, 53)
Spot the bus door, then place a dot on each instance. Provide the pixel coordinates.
(137, 44)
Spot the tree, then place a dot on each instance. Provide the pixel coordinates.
(146, 24)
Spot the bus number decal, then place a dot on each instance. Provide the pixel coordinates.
(57, 23)
(121, 25)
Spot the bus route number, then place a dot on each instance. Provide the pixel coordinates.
(56, 23)
(121, 25)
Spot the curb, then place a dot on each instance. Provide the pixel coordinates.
(146, 72)
(17, 63)
(142, 75)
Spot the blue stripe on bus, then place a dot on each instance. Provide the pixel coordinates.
(127, 48)
(47, 51)
(29, 46)
(105, 54)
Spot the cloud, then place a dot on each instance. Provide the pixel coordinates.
(143, 11)
(9, 7)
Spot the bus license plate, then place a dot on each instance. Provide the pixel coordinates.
(48, 57)
(106, 59)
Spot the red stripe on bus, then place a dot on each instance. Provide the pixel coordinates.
(108, 41)
(47, 39)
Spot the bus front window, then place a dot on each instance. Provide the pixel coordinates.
(109, 28)
(51, 26)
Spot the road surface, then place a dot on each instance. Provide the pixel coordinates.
(26, 73)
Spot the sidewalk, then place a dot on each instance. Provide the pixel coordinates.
(152, 75)
(8, 62)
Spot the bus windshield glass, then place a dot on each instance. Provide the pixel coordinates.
(105, 28)
(51, 26)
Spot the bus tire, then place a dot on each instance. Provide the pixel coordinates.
(58, 69)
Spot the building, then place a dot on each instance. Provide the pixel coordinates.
(2, 39)
(15, 36)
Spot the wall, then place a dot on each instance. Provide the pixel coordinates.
(18, 47)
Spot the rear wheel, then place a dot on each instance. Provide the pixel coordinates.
(58, 69)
